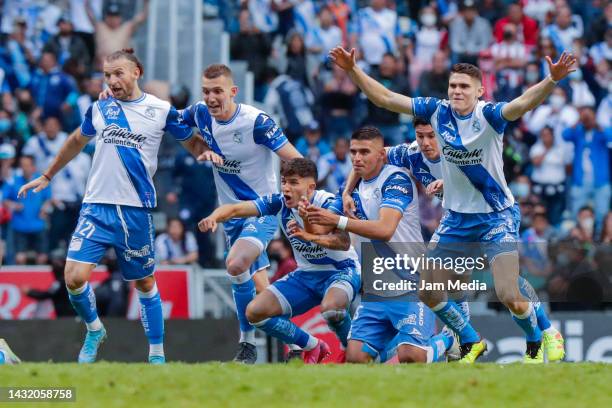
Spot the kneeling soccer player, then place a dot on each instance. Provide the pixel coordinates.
(386, 210)
(328, 271)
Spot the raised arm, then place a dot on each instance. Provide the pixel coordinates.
(139, 18)
(90, 13)
(288, 152)
(535, 95)
(244, 209)
(375, 91)
(71, 147)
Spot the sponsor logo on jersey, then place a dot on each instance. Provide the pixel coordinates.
(229, 167)
(272, 131)
(416, 333)
(462, 157)
(114, 134)
(150, 262)
(250, 228)
(307, 249)
(137, 253)
(399, 188)
(75, 244)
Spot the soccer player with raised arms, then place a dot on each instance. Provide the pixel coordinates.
(479, 204)
(328, 271)
(119, 196)
(246, 138)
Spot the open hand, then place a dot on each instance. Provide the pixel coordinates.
(343, 58)
(209, 155)
(37, 184)
(563, 67)
(207, 224)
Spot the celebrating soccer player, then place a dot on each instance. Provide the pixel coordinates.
(328, 270)
(479, 204)
(246, 138)
(116, 209)
(386, 210)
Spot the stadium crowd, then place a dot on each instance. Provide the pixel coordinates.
(557, 158)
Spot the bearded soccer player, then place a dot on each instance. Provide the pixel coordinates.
(246, 138)
(480, 207)
(116, 210)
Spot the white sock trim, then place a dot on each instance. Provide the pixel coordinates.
(312, 342)
(94, 325)
(247, 337)
(156, 349)
(439, 306)
(78, 291)
(148, 294)
(240, 279)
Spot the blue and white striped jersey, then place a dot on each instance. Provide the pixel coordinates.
(410, 156)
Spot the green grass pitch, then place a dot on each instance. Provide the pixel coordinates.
(296, 385)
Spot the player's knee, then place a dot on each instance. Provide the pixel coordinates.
(410, 354)
(507, 296)
(255, 312)
(73, 277)
(145, 285)
(357, 357)
(332, 316)
(236, 265)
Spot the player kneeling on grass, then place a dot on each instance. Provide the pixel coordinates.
(386, 211)
(328, 271)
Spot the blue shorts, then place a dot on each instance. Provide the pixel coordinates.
(300, 291)
(258, 230)
(129, 230)
(496, 233)
(377, 323)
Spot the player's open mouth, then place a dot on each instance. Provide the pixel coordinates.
(287, 197)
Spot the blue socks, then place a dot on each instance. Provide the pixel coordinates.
(529, 323)
(529, 292)
(286, 331)
(340, 322)
(83, 300)
(451, 314)
(243, 289)
(151, 315)
(438, 345)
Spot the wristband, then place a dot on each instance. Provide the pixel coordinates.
(342, 222)
(47, 177)
(553, 81)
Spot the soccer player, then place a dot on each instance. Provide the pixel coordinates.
(116, 210)
(479, 204)
(386, 211)
(328, 271)
(246, 138)
(422, 159)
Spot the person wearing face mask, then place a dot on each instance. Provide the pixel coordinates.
(527, 28)
(428, 38)
(590, 169)
(557, 113)
(585, 225)
(6, 124)
(581, 94)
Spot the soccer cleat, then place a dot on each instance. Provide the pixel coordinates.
(454, 352)
(155, 359)
(7, 354)
(247, 354)
(293, 355)
(92, 342)
(471, 351)
(317, 354)
(534, 353)
(553, 345)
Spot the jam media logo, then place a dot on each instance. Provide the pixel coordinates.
(114, 134)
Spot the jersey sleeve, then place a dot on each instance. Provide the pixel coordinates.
(334, 205)
(493, 114)
(269, 205)
(266, 132)
(397, 192)
(424, 107)
(176, 126)
(87, 127)
(188, 115)
(398, 156)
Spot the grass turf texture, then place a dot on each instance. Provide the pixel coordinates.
(296, 385)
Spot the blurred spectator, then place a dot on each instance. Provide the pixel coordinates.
(57, 292)
(290, 103)
(296, 58)
(264, 15)
(376, 31)
(545, 48)
(83, 26)
(24, 122)
(565, 30)
(112, 33)
(334, 167)
(338, 99)
(534, 257)
(532, 76)
(195, 194)
(112, 294)
(29, 214)
(280, 251)
(6, 127)
(606, 231)
(486, 63)
(491, 10)
(602, 50)
(54, 91)
(581, 94)
(600, 26)
(342, 13)
(251, 45)
(386, 121)
(66, 44)
(176, 246)
(548, 176)
(324, 36)
(590, 170)
(538, 9)
(469, 34)
(304, 16)
(20, 57)
(584, 231)
(604, 112)
(427, 42)
(311, 145)
(68, 185)
(434, 83)
(93, 86)
(556, 113)
(524, 27)
(510, 56)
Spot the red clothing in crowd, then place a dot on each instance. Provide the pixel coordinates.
(530, 30)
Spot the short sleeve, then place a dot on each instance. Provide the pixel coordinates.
(334, 205)
(397, 192)
(493, 114)
(269, 205)
(425, 107)
(398, 156)
(188, 115)
(176, 126)
(87, 127)
(266, 132)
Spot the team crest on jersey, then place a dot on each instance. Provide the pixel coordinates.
(237, 137)
(476, 125)
(75, 244)
(150, 112)
(376, 194)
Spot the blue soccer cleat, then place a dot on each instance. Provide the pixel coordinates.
(155, 359)
(92, 342)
